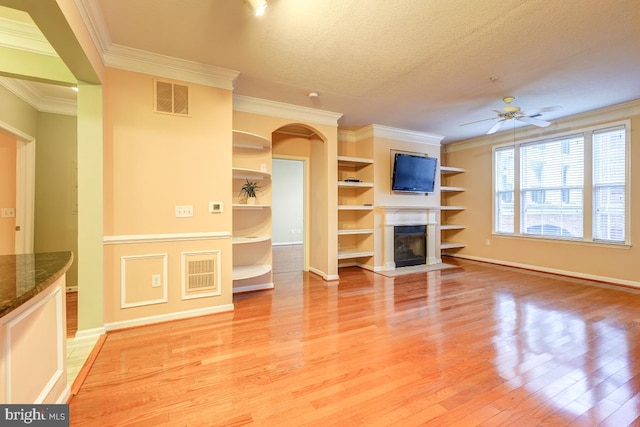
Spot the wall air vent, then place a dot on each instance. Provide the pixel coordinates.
(200, 274)
(172, 98)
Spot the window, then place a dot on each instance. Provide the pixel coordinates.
(609, 189)
(504, 173)
(552, 187)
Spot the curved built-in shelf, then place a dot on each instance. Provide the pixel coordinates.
(249, 271)
(451, 169)
(354, 254)
(349, 184)
(355, 207)
(245, 206)
(349, 232)
(243, 173)
(354, 161)
(452, 227)
(446, 188)
(244, 139)
(451, 245)
(240, 240)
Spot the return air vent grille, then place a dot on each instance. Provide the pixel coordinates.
(200, 274)
(172, 98)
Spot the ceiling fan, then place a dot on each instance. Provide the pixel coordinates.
(509, 112)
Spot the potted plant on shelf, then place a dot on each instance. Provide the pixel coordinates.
(248, 192)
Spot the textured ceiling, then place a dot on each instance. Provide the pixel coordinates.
(423, 65)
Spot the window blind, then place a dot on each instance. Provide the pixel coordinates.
(552, 187)
(504, 185)
(609, 190)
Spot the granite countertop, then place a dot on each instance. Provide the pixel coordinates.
(24, 276)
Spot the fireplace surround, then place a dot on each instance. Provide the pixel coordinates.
(410, 216)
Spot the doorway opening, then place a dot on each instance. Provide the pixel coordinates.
(288, 214)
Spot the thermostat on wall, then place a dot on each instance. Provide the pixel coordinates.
(215, 207)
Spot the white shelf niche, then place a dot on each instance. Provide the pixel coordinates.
(250, 271)
(350, 232)
(244, 173)
(242, 139)
(241, 240)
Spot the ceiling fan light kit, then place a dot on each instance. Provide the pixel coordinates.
(513, 112)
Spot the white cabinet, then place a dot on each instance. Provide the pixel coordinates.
(448, 226)
(251, 222)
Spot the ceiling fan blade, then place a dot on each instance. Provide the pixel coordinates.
(495, 127)
(532, 121)
(550, 108)
(478, 121)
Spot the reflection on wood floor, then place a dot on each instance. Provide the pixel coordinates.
(474, 345)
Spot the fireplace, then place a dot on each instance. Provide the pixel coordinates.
(410, 245)
(424, 217)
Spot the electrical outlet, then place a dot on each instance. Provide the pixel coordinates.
(184, 211)
(487, 242)
(8, 213)
(155, 281)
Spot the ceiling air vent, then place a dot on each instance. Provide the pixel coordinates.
(172, 98)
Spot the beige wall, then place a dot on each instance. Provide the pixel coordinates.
(607, 262)
(56, 214)
(7, 191)
(152, 163)
(382, 159)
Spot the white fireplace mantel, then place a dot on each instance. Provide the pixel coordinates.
(410, 215)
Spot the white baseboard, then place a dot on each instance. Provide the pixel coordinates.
(64, 396)
(251, 288)
(612, 280)
(324, 275)
(112, 326)
(89, 333)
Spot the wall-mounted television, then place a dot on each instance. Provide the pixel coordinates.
(414, 173)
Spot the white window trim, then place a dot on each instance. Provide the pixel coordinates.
(587, 238)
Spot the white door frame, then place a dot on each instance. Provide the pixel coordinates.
(25, 188)
(305, 208)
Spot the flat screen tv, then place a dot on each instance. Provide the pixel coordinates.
(413, 173)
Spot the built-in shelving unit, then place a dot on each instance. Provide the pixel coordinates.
(448, 226)
(355, 203)
(252, 268)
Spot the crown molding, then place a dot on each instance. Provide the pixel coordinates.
(397, 134)
(621, 111)
(32, 96)
(140, 61)
(247, 104)
(92, 16)
(24, 36)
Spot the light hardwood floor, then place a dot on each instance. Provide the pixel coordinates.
(474, 345)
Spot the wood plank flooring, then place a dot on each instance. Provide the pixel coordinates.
(474, 345)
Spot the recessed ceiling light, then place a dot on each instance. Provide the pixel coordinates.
(313, 94)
